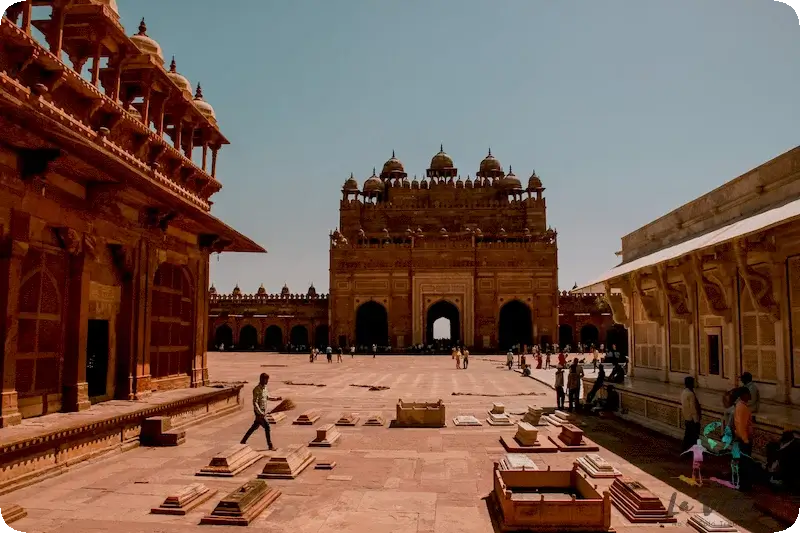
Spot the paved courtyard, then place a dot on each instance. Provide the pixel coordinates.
(386, 480)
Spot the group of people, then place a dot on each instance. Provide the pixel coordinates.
(312, 356)
(461, 357)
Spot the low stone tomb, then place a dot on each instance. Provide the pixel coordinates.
(466, 420)
(559, 418)
(274, 418)
(498, 409)
(375, 419)
(157, 431)
(597, 467)
(638, 504)
(347, 419)
(307, 418)
(184, 500)
(287, 463)
(517, 461)
(711, 523)
(230, 462)
(243, 505)
(419, 415)
(533, 416)
(325, 465)
(498, 419)
(12, 513)
(327, 436)
(571, 439)
(548, 500)
(528, 439)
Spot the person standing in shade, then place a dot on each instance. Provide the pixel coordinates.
(598, 384)
(559, 384)
(690, 407)
(573, 385)
(743, 437)
(374, 350)
(329, 354)
(260, 398)
(755, 396)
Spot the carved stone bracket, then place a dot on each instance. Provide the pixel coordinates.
(650, 304)
(155, 217)
(759, 286)
(618, 311)
(124, 260)
(718, 298)
(70, 240)
(33, 163)
(677, 296)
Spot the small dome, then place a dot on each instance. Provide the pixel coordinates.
(312, 292)
(534, 182)
(146, 45)
(373, 184)
(285, 290)
(212, 289)
(406, 183)
(415, 183)
(261, 290)
(441, 161)
(511, 181)
(236, 290)
(459, 183)
(423, 184)
(490, 164)
(177, 78)
(350, 184)
(468, 183)
(393, 165)
(204, 107)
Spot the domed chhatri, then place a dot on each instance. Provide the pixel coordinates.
(178, 78)
(146, 45)
(534, 182)
(312, 292)
(442, 165)
(490, 167)
(261, 290)
(237, 291)
(285, 290)
(350, 184)
(212, 289)
(393, 168)
(373, 185)
(511, 181)
(204, 107)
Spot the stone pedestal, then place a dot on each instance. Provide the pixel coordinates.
(420, 415)
(325, 465)
(517, 461)
(307, 418)
(527, 435)
(466, 420)
(527, 440)
(348, 419)
(243, 505)
(375, 419)
(559, 418)
(230, 462)
(597, 467)
(287, 464)
(327, 436)
(184, 500)
(9, 411)
(498, 420)
(12, 513)
(532, 416)
(157, 431)
(274, 418)
(75, 398)
(638, 504)
(498, 409)
(711, 523)
(570, 435)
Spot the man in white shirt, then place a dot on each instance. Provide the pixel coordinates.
(690, 409)
(260, 398)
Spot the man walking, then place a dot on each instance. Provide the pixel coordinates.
(260, 398)
(374, 350)
(691, 414)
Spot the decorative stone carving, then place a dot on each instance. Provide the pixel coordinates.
(307, 418)
(69, 239)
(327, 436)
(716, 296)
(230, 462)
(184, 500)
(420, 414)
(759, 285)
(287, 464)
(156, 218)
(650, 304)
(243, 505)
(638, 504)
(617, 304)
(124, 260)
(677, 295)
(597, 467)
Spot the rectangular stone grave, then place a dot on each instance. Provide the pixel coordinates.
(307, 418)
(571, 434)
(274, 418)
(287, 463)
(547, 500)
(498, 408)
(498, 420)
(243, 505)
(559, 418)
(347, 419)
(527, 435)
(230, 462)
(533, 416)
(12, 513)
(711, 523)
(157, 431)
(597, 467)
(466, 420)
(375, 419)
(184, 500)
(325, 465)
(638, 504)
(419, 415)
(327, 436)
(527, 440)
(517, 461)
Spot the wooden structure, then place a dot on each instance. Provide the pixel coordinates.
(107, 174)
(420, 415)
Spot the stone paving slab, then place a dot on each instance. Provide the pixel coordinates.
(404, 481)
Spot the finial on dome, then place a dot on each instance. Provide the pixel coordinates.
(393, 154)
(509, 170)
(490, 151)
(173, 67)
(198, 94)
(441, 147)
(142, 28)
(352, 177)
(373, 171)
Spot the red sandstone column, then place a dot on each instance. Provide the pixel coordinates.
(200, 365)
(75, 396)
(10, 278)
(147, 264)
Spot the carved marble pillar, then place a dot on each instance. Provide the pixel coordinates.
(75, 391)
(10, 279)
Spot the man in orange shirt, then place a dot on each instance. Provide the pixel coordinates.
(743, 431)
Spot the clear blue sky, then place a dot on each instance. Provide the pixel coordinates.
(626, 109)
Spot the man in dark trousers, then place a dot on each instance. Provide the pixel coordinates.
(260, 398)
(598, 384)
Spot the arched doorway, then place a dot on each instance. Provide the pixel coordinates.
(516, 325)
(248, 338)
(617, 335)
(223, 336)
(565, 335)
(321, 336)
(273, 339)
(448, 311)
(172, 334)
(299, 336)
(590, 335)
(372, 324)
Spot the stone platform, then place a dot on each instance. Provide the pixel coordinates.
(422, 480)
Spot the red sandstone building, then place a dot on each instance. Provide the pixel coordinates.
(107, 164)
